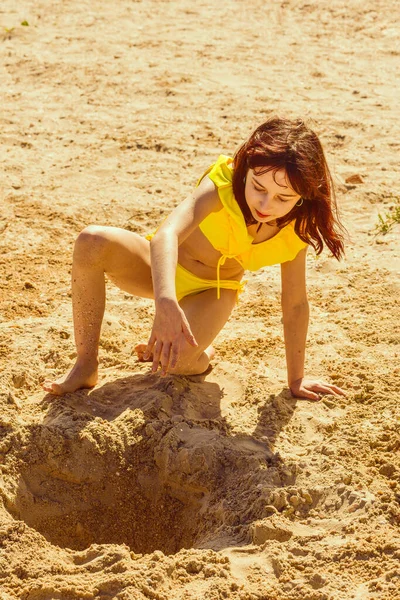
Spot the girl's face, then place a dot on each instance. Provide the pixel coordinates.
(269, 196)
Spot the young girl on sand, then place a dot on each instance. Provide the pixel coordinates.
(263, 207)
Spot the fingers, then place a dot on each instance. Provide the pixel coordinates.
(174, 355)
(304, 393)
(322, 389)
(165, 359)
(337, 390)
(313, 390)
(149, 347)
(163, 347)
(326, 388)
(162, 354)
(156, 356)
(312, 395)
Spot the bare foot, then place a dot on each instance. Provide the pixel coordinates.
(82, 375)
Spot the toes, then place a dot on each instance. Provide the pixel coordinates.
(52, 388)
(47, 386)
(140, 350)
(140, 347)
(57, 389)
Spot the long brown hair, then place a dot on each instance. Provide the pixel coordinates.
(292, 146)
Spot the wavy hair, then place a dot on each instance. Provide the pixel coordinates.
(290, 145)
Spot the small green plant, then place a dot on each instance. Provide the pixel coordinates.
(387, 221)
(11, 29)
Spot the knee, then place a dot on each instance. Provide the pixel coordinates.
(91, 244)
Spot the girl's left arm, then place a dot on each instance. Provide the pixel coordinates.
(295, 312)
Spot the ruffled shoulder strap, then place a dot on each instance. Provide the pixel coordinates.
(220, 174)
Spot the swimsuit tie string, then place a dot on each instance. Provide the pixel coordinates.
(221, 262)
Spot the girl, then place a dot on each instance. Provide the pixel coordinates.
(265, 206)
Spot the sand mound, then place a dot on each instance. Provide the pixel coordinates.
(127, 476)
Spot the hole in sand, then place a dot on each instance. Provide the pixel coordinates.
(146, 462)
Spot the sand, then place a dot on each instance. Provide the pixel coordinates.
(216, 486)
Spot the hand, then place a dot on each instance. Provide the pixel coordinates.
(312, 389)
(170, 329)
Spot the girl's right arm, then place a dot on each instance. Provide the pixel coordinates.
(170, 321)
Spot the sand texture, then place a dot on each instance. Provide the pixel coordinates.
(216, 486)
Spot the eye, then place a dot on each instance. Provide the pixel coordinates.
(283, 199)
(258, 189)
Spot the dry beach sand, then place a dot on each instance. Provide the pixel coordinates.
(220, 486)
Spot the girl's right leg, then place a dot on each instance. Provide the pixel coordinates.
(125, 257)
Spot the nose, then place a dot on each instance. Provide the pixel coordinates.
(265, 202)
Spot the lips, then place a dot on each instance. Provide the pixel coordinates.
(261, 215)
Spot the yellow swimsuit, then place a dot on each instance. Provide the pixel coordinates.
(227, 232)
